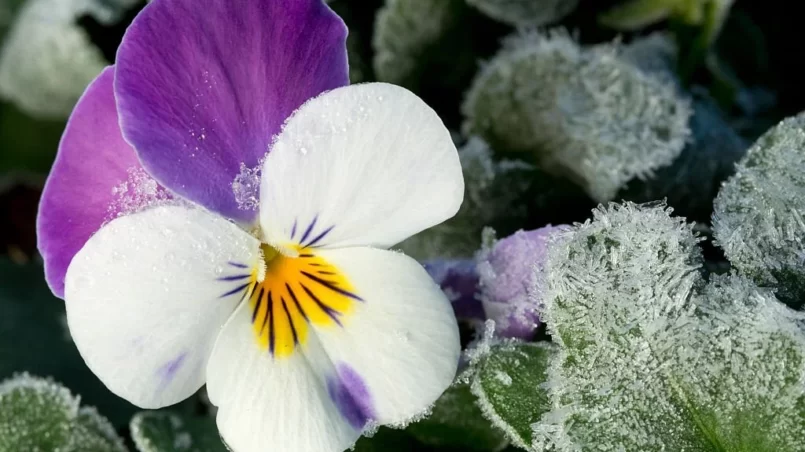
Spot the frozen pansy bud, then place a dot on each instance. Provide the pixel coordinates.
(458, 279)
(509, 287)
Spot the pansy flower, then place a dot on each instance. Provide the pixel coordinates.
(305, 328)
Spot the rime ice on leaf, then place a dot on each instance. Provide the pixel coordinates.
(584, 113)
(456, 421)
(492, 191)
(93, 433)
(535, 13)
(36, 415)
(405, 30)
(760, 212)
(47, 59)
(692, 182)
(510, 385)
(159, 431)
(651, 361)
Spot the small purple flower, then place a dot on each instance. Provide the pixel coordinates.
(509, 290)
(188, 254)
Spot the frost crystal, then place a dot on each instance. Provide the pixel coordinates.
(492, 191)
(522, 13)
(760, 211)
(246, 187)
(652, 360)
(584, 113)
(138, 192)
(47, 59)
(692, 182)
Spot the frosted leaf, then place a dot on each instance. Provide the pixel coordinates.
(93, 433)
(760, 211)
(583, 113)
(163, 431)
(246, 187)
(456, 421)
(649, 360)
(47, 60)
(493, 191)
(36, 415)
(692, 182)
(405, 31)
(522, 13)
(510, 385)
(139, 191)
(655, 54)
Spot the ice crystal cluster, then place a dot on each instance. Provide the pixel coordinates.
(586, 113)
(39, 415)
(651, 357)
(760, 212)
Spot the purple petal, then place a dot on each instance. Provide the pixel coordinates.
(203, 87)
(351, 396)
(459, 281)
(79, 195)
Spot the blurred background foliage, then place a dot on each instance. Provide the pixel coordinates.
(500, 74)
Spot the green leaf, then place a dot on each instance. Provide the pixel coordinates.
(525, 13)
(94, 433)
(509, 383)
(759, 212)
(456, 421)
(36, 415)
(164, 431)
(31, 315)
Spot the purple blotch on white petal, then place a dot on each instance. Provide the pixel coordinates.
(349, 392)
(509, 288)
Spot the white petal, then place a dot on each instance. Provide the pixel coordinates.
(367, 164)
(392, 351)
(146, 297)
(402, 339)
(273, 404)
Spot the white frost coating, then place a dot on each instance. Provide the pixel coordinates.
(47, 60)
(492, 190)
(583, 112)
(649, 360)
(246, 187)
(140, 191)
(149, 438)
(760, 211)
(526, 13)
(481, 347)
(94, 430)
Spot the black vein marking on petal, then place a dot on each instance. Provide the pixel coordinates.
(257, 305)
(233, 277)
(296, 302)
(309, 229)
(271, 332)
(268, 312)
(290, 320)
(306, 255)
(322, 272)
(316, 265)
(319, 237)
(238, 265)
(327, 310)
(330, 285)
(293, 229)
(235, 290)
